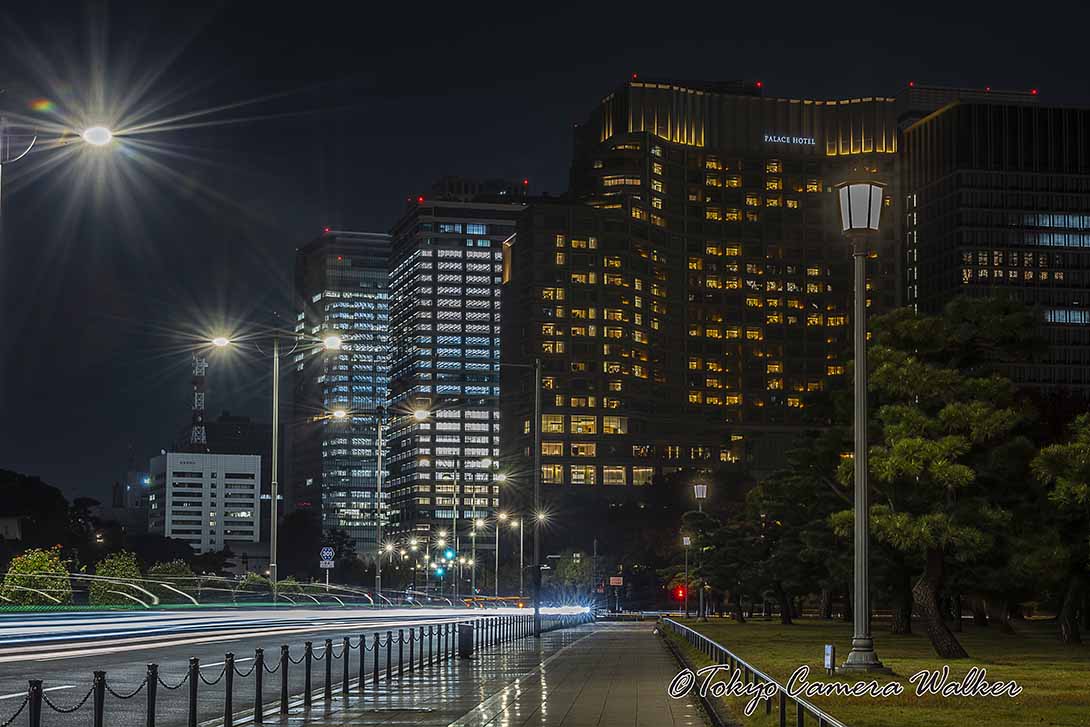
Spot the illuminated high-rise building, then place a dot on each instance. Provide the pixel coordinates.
(340, 287)
(997, 203)
(445, 330)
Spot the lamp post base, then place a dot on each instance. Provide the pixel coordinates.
(863, 658)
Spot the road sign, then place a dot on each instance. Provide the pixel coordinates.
(325, 563)
(327, 553)
(616, 580)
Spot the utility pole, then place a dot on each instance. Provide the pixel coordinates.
(379, 415)
(274, 490)
(537, 498)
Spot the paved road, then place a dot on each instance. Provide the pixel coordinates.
(65, 650)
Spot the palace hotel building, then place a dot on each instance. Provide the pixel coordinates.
(692, 293)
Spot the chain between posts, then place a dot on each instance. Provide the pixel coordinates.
(215, 681)
(68, 710)
(179, 685)
(131, 694)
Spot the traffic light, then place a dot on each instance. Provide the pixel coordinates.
(448, 554)
(439, 572)
(679, 593)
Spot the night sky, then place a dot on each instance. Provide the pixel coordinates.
(110, 261)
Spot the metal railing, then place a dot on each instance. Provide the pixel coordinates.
(719, 654)
(427, 646)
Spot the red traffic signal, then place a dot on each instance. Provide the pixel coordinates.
(679, 593)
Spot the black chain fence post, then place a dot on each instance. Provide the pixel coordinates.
(153, 684)
(374, 674)
(431, 644)
(308, 654)
(327, 692)
(259, 669)
(389, 652)
(421, 648)
(99, 705)
(285, 657)
(34, 696)
(363, 653)
(194, 678)
(346, 651)
(400, 652)
(228, 689)
(412, 654)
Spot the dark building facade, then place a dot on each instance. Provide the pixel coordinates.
(340, 286)
(997, 202)
(445, 317)
(694, 294)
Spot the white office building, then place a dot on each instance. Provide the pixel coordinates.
(210, 501)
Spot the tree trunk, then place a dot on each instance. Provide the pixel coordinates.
(980, 614)
(736, 608)
(926, 593)
(902, 605)
(826, 604)
(785, 604)
(846, 614)
(999, 615)
(1069, 623)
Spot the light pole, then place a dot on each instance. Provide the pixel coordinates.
(686, 541)
(500, 517)
(380, 414)
(700, 492)
(860, 212)
(478, 523)
(330, 342)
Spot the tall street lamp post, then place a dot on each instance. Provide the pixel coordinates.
(522, 570)
(330, 341)
(860, 211)
(500, 518)
(686, 541)
(700, 492)
(380, 415)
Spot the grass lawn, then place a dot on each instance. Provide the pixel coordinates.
(1055, 678)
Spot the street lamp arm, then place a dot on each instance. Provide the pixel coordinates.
(25, 152)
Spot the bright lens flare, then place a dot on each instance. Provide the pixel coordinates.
(332, 342)
(339, 414)
(220, 341)
(98, 136)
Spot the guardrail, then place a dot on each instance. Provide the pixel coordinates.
(719, 654)
(427, 646)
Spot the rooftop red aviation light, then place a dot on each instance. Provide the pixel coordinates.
(912, 84)
(759, 84)
(635, 76)
(525, 182)
(1033, 91)
(420, 200)
(325, 229)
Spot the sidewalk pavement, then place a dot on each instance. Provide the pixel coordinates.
(598, 675)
